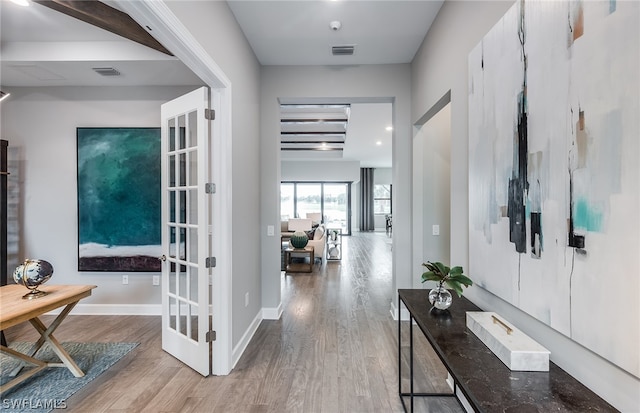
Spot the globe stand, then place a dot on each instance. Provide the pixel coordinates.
(33, 294)
(32, 285)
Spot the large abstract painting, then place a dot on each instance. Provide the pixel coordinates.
(554, 169)
(119, 199)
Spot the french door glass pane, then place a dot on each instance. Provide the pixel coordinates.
(309, 198)
(286, 201)
(336, 206)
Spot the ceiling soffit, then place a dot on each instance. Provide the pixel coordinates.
(313, 127)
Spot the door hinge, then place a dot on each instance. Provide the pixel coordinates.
(210, 336)
(210, 188)
(210, 262)
(210, 114)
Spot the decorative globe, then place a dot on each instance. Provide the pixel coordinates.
(31, 274)
(299, 239)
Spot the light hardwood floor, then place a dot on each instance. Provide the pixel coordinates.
(333, 350)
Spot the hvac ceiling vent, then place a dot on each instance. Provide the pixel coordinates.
(343, 50)
(106, 71)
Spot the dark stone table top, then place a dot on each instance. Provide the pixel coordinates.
(486, 382)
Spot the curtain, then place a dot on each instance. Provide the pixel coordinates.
(3, 211)
(366, 200)
(3, 220)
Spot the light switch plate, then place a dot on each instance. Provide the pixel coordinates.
(435, 229)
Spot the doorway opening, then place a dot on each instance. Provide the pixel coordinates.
(432, 186)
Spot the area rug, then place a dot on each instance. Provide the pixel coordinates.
(50, 388)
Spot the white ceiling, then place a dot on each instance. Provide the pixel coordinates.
(299, 33)
(42, 47)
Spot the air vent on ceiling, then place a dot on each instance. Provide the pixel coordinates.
(106, 71)
(342, 50)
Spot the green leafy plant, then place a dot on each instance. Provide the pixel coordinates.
(452, 277)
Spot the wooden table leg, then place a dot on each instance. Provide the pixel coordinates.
(15, 354)
(46, 336)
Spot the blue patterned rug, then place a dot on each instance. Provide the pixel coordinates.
(50, 388)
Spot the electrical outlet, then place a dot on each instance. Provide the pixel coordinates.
(125, 279)
(246, 299)
(156, 280)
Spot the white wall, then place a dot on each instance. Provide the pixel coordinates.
(55, 110)
(213, 25)
(441, 65)
(432, 192)
(369, 83)
(383, 176)
(328, 171)
(41, 123)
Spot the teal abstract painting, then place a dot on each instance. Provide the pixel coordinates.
(119, 199)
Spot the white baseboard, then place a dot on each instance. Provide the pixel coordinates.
(450, 381)
(459, 395)
(246, 338)
(463, 400)
(114, 309)
(404, 313)
(272, 313)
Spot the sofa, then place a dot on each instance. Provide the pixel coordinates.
(317, 234)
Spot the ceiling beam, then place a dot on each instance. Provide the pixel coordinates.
(105, 17)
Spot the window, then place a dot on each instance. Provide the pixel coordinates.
(336, 205)
(287, 196)
(331, 199)
(308, 199)
(382, 199)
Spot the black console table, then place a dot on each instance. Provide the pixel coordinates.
(486, 383)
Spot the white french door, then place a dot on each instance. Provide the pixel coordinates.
(186, 242)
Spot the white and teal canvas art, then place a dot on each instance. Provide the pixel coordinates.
(554, 173)
(119, 199)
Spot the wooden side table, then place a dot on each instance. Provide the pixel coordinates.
(478, 374)
(14, 310)
(299, 253)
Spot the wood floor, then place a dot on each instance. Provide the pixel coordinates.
(333, 350)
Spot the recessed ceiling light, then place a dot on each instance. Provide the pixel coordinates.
(379, 143)
(389, 128)
(23, 3)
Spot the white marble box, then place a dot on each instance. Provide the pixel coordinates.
(517, 350)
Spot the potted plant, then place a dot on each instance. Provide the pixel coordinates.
(454, 278)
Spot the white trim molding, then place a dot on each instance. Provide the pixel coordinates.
(114, 309)
(239, 349)
(404, 313)
(271, 313)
